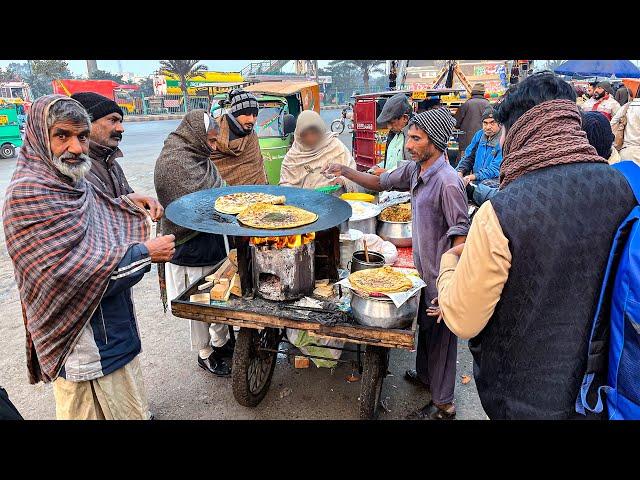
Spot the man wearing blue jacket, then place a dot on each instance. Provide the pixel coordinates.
(483, 156)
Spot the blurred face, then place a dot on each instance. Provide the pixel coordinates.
(69, 148)
(310, 137)
(490, 127)
(599, 92)
(590, 90)
(247, 122)
(418, 145)
(108, 130)
(397, 124)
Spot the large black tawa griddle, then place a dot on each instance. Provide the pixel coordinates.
(196, 211)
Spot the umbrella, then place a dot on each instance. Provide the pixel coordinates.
(599, 68)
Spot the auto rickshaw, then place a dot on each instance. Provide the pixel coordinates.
(10, 136)
(369, 140)
(276, 100)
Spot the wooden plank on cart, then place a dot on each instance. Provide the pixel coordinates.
(393, 338)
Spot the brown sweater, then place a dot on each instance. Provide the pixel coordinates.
(239, 161)
(106, 174)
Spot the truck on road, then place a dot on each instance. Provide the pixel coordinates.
(115, 91)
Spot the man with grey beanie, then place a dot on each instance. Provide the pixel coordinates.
(440, 220)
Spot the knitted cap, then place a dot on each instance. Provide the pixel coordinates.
(606, 86)
(599, 132)
(96, 105)
(488, 112)
(242, 103)
(438, 123)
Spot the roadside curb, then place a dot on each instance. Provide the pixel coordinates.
(179, 116)
(150, 118)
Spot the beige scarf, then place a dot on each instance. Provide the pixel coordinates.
(302, 165)
(239, 161)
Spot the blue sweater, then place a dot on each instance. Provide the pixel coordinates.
(485, 162)
(111, 338)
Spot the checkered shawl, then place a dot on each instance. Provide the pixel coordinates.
(65, 240)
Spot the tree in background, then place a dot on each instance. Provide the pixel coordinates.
(42, 72)
(366, 68)
(549, 64)
(104, 75)
(344, 79)
(184, 70)
(7, 75)
(146, 87)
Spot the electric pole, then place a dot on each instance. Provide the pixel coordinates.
(92, 66)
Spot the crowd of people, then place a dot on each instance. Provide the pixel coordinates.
(520, 281)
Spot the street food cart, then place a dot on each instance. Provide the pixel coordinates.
(263, 322)
(369, 140)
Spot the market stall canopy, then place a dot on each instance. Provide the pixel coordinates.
(599, 68)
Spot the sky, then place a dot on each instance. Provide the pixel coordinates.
(147, 67)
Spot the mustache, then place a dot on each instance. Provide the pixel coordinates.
(117, 136)
(72, 156)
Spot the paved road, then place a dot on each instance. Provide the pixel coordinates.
(177, 388)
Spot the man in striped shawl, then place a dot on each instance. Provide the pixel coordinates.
(76, 254)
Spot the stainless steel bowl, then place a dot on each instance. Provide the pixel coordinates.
(368, 225)
(398, 233)
(358, 262)
(381, 311)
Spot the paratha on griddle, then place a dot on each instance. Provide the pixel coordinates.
(274, 217)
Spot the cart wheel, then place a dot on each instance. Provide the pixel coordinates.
(253, 369)
(7, 151)
(376, 360)
(337, 126)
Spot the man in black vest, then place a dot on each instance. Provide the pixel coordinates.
(524, 286)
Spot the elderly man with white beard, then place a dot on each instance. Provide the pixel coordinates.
(77, 253)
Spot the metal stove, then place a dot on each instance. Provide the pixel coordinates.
(283, 267)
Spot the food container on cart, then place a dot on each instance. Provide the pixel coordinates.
(397, 232)
(348, 247)
(381, 312)
(363, 216)
(358, 197)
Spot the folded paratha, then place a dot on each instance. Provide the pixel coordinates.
(235, 203)
(380, 280)
(273, 217)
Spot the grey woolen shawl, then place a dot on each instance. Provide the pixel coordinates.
(184, 167)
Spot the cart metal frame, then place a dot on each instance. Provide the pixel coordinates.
(261, 333)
